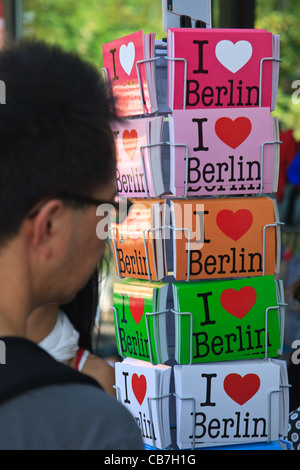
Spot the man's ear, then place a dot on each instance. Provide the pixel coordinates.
(47, 226)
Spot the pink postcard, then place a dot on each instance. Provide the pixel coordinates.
(230, 152)
(136, 174)
(223, 68)
(119, 59)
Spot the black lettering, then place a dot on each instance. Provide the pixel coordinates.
(252, 256)
(194, 169)
(208, 378)
(264, 424)
(195, 261)
(118, 181)
(204, 296)
(227, 421)
(207, 92)
(112, 51)
(250, 165)
(123, 319)
(250, 89)
(210, 265)
(200, 135)
(199, 425)
(240, 90)
(126, 392)
(200, 56)
(190, 91)
(219, 88)
(208, 170)
(199, 343)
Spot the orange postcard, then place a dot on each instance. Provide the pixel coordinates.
(225, 238)
(138, 243)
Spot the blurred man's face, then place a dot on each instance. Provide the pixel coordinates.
(85, 249)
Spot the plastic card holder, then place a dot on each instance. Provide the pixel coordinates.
(271, 393)
(171, 144)
(263, 60)
(267, 312)
(147, 314)
(178, 59)
(160, 228)
(149, 399)
(276, 224)
(193, 413)
(191, 330)
(178, 229)
(137, 64)
(281, 326)
(144, 166)
(273, 142)
(149, 402)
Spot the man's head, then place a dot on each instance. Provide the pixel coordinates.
(54, 130)
(55, 140)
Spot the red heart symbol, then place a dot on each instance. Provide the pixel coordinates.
(130, 141)
(135, 225)
(238, 303)
(234, 225)
(233, 133)
(139, 387)
(241, 389)
(136, 306)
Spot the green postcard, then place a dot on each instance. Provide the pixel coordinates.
(140, 320)
(227, 320)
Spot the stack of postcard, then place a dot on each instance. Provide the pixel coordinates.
(144, 389)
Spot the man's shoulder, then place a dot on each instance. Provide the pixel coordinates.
(28, 366)
(58, 408)
(69, 416)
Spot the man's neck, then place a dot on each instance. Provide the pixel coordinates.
(15, 292)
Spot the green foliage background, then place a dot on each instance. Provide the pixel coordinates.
(83, 26)
(283, 17)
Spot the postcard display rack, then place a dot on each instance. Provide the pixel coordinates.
(198, 308)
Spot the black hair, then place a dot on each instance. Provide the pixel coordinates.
(82, 310)
(55, 131)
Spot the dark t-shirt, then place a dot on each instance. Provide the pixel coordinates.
(63, 414)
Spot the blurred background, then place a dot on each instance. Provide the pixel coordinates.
(83, 26)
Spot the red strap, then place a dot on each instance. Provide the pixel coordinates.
(78, 357)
